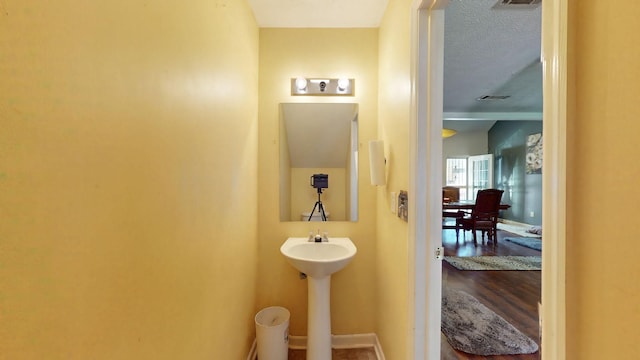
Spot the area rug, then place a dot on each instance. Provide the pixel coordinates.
(473, 328)
(495, 262)
(531, 243)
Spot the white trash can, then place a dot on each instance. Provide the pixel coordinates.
(272, 333)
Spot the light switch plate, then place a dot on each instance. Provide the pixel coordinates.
(403, 205)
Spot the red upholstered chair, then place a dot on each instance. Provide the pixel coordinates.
(484, 216)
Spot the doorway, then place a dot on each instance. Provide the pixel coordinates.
(425, 236)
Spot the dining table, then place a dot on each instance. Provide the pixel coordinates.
(466, 205)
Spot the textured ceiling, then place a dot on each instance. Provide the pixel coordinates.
(491, 52)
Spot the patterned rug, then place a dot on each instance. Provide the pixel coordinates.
(495, 262)
(531, 243)
(473, 328)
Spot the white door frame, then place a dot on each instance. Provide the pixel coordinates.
(425, 179)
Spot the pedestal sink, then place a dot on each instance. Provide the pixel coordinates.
(318, 260)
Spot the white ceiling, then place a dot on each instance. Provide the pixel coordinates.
(318, 13)
(488, 51)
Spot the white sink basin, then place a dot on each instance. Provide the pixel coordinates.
(318, 259)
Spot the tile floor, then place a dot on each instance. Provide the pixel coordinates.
(339, 354)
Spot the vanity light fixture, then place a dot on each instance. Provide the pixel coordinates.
(322, 86)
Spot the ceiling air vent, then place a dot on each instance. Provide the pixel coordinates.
(492, 97)
(517, 4)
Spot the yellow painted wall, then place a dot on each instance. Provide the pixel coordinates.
(287, 53)
(603, 296)
(392, 242)
(128, 179)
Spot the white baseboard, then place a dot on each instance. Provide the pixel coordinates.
(517, 228)
(514, 223)
(351, 341)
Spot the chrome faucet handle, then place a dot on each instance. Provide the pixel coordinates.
(317, 237)
(325, 236)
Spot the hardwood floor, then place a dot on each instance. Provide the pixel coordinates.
(514, 295)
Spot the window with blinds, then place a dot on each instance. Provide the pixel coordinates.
(470, 174)
(457, 175)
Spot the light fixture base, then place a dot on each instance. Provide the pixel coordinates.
(322, 87)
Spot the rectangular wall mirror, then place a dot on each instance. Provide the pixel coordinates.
(318, 139)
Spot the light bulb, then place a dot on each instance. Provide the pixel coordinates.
(301, 83)
(343, 84)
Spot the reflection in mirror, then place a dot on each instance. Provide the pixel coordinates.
(318, 139)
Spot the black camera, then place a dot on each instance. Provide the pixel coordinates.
(319, 181)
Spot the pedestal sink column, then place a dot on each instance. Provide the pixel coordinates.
(319, 318)
(318, 260)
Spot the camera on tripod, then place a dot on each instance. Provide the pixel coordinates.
(319, 181)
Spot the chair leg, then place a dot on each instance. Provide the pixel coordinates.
(495, 235)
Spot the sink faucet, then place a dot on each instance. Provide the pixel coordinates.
(317, 237)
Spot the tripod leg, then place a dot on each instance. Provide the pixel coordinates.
(324, 217)
(312, 211)
(319, 206)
